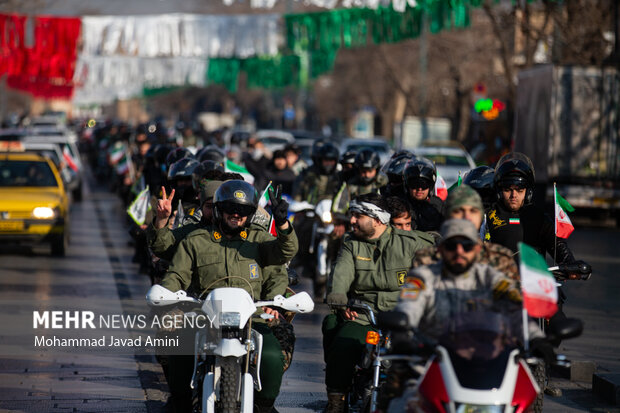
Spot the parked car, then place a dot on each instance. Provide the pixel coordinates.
(274, 139)
(379, 145)
(67, 143)
(33, 203)
(450, 161)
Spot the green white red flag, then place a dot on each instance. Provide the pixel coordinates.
(540, 293)
(563, 225)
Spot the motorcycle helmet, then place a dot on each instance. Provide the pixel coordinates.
(211, 153)
(515, 168)
(328, 152)
(201, 170)
(420, 171)
(176, 155)
(481, 179)
(348, 158)
(367, 159)
(315, 153)
(395, 167)
(236, 196)
(182, 168)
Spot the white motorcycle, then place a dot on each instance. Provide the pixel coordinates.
(227, 352)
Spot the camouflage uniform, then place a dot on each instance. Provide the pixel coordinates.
(497, 256)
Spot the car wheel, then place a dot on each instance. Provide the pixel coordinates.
(60, 244)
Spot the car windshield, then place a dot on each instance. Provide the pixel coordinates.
(272, 140)
(26, 173)
(447, 160)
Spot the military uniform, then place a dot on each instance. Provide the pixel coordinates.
(497, 256)
(200, 263)
(353, 188)
(312, 186)
(372, 271)
(432, 296)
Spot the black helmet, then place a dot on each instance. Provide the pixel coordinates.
(395, 167)
(201, 170)
(328, 151)
(420, 170)
(211, 153)
(176, 155)
(481, 179)
(348, 158)
(515, 168)
(182, 168)
(402, 153)
(316, 149)
(367, 159)
(235, 195)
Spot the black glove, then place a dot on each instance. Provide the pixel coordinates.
(542, 348)
(279, 207)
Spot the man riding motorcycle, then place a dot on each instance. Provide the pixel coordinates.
(419, 179)
(230, 248)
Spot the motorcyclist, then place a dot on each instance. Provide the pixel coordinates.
(347, 163)
(319, 181)
(370, 267)
(394, 169)
(465, 203)
(367, 179)
(207, 255)
(419, 179)
(400, 212)
(180, 181)
(481, 179)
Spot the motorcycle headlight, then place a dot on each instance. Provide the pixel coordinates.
(230, 319)
(326, 217)
(477, 408)
(43, 213)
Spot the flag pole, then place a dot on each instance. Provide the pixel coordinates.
(555, 223)
(526, 331)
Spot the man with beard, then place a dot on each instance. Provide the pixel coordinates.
(229, 247)
(432, 294)
(371, 268)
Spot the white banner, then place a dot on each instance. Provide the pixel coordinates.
(181, 35)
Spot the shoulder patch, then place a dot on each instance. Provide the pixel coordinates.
(412, 288)
(253, 271)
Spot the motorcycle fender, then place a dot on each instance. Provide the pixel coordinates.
(208, 393)
(229, 347)
(247, 394)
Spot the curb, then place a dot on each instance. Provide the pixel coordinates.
(607, 386)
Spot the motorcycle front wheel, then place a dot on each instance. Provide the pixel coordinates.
(229, 385)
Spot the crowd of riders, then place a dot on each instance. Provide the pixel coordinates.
(395, 244)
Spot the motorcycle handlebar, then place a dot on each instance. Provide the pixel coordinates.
(580, 268)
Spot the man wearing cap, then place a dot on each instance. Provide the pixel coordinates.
(465, 203)
(431, 292)
(371, 268)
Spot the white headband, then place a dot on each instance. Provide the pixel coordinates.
(373, 211)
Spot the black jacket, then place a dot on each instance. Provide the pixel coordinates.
(529, 225)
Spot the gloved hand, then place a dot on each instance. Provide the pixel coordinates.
(542, 348)
(279, 207)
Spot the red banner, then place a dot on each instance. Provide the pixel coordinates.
(44, 68)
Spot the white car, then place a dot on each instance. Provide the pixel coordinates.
(379, 145)
(274, 139)
(450, 162)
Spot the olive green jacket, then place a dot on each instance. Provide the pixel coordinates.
(205, 257)
(374, 271)
(312, 187)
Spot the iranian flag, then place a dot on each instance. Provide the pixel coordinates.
(66, 154)
(540, 294)
(563, 226)
(441, 189)
(264, 198)
(233, 167)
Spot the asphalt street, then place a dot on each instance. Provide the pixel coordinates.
(98, 272)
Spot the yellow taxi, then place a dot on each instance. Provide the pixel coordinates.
(34, 207)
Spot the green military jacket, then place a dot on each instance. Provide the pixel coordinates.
(205, 257)
(312, 187)
(373, 271)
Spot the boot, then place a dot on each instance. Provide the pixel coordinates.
(263, 405)
(335, 403)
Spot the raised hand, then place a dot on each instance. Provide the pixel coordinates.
(164, 209)
(279, 207)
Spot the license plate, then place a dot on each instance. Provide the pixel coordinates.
(11, 226)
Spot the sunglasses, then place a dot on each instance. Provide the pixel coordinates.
(418, 183)
(453, 243)
(232, 209)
